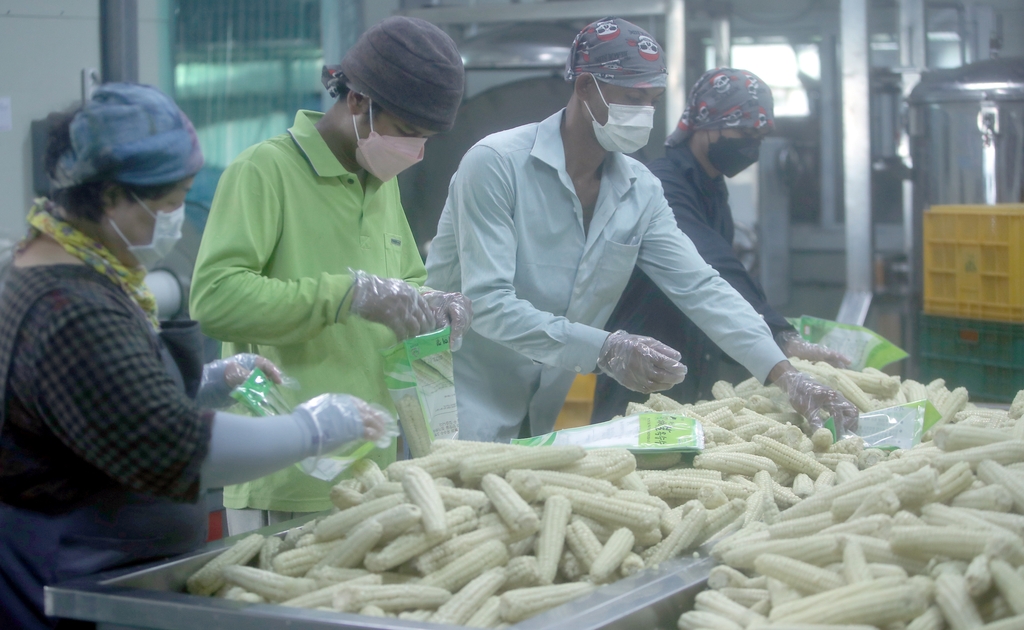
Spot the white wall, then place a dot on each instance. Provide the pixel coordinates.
(44, 44)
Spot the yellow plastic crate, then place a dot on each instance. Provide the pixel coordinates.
(974, 262)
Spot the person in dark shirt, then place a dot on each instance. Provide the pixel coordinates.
(728, 113)
(103, 449)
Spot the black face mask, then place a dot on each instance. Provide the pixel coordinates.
(732, 155)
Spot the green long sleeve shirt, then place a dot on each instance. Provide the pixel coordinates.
(287, 223)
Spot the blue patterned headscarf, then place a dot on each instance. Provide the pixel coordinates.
(132, 134)
(725, 98)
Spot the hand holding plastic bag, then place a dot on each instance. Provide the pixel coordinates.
(640, 363)
(338, 419)
(793, 345)
(818, 402)
(392, 302)
(451, 309)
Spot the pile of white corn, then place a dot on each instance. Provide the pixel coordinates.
(486, 535)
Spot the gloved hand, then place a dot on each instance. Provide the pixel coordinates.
(337, 419)
(640, 363)
(222, 376)
(392, 302)
(817, 402)
(793, 345)
(451, 309)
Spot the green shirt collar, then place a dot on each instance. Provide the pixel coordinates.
(312, 144)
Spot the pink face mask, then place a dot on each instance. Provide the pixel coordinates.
(386, 156)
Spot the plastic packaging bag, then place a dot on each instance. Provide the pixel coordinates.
(864, 348)
(418, 374)
(260, 396)
(895, 427)
(640, 433)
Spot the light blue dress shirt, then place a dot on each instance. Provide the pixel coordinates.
(511, 239)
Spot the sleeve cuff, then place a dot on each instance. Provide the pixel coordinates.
(763, 357)
(583, 349)
(343, 299)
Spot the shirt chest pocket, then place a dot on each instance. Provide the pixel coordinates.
(393, 255)
(614, 267)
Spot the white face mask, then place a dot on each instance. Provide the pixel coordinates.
(628, 127)
(386, 156)
(166, 234)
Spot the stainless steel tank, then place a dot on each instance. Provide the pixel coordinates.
(967, 134)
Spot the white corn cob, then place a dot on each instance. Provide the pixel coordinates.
(734, 463)
(419, 487)
(239, 594)
(368, 473)
(851, 445)
(325, 576)
(884, 501)
(817, 550)
(396, 521)
(599, 529)
(715, 602)
(992, 473)
(455, 497)
(803, 486)
(517, 514)
(269, 585)
(526, 484)
(749, 597)
(611, 555)
(993, 497)
(875, 525)
(209, 579)
(876, 607)
(978, 577)
(1010, 522)
(267, 552)
(1010, 623)
(416, 615)
(1010, 584)
(822, 440)
(390, 598)
(754, 511)
(788, 457)
(443, 463)
(800, 527)
(522, 547)
(944, 516)
(337, 525)
(954, 602)
(703, 620)
(567, 480)
(523, 571)
(408, 546)
(344, 495)
(723, 576)
(296, 562)
(639, 518)
(712, 497)
(719, 518)
(955, 480)
(632, 482)
(488, 615)
(800, 575)
(522, 603)
(438, 557)
(325, 595)
(825, 480)
(551, 539)
(831, 460)
(955, 437)
(846, 471)
(608, 464)
(722, 390)
(461, 570)
(739, 446)
(462, 605)
(569, 567)
(383, 490)
(583, 544)
(643, 498)
(682, 537)
(474, 467)
(1006, 452)
(926, 542)
(414, 425)
(855, 564)
(349, 552)
(631, 565)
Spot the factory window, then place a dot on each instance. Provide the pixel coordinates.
(780, 65)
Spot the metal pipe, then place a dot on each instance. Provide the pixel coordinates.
(721, 37)
(119, 40)
(675, 62)
(831, 133)
(856, 160)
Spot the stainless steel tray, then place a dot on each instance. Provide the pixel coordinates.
(153, 597)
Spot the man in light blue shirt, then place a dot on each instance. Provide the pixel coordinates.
(542, 228)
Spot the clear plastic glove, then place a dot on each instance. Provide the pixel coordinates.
(451, 309)
(640, 363)
(339, 418)
(392, 302)
(220, 377)
(793, 345)
(818, 402)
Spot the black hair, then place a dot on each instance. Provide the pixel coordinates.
(85, 200)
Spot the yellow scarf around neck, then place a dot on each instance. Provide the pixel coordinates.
(41, 220)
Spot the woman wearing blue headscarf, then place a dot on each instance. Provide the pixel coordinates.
(103, 449)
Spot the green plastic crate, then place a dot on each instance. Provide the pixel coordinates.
(985, 357)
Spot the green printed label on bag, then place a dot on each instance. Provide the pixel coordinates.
(661, 430)
(420, 377)
(897, 427)
(864, 347)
